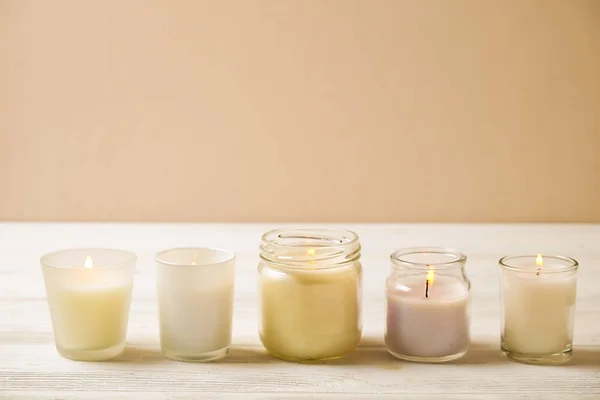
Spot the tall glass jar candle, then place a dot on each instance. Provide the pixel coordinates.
(89, 294)
(538, 308)
(310, 287)
(427, 297)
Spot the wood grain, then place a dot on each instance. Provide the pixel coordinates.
(30, 368)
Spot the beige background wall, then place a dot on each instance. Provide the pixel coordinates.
(306, 110)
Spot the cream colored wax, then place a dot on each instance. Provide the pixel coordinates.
(311, 313)
(89, 305)
(538, 312)
(89, 317)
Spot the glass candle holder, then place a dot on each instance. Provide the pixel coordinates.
(195, 303)
(427, 299)
(89, 295)
(310, 286)
(538, 308)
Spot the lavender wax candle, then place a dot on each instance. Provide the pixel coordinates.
(427, 305)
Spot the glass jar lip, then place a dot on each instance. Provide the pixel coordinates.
(230, 256)
(270, 236)
(129, 258)
(397, 261)
(331, 247)
(572, 264)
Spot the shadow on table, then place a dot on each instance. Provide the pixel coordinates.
(150, 355)
(371, 351)
(481, 353)
(585, 356)
(485, 354)
(141, 355)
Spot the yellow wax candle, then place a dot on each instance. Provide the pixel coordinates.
(313, 314)
(89, 303)
(310, 293)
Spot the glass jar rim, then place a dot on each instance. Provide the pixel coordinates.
(331, 247)
(129, 257)
(398, 261)
(572, 264)
(270, 236)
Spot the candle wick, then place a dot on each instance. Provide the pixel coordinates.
(426, 288)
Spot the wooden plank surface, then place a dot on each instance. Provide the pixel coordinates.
(30, 368)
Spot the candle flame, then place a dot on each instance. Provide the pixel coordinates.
(430, 276)
(539, 260)
(193, 262)
(88, 262)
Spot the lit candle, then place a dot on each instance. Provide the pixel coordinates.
(89, 295)
(538, 299)
(195, 303)
(310, 298)
(427, 319)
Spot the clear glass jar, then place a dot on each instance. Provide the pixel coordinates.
(310, 293)
(427, 299)
(538, 308)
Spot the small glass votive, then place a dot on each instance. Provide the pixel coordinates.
(538, 308)
(195, 303)
(89, 295)
(427, 298)
(310, 287)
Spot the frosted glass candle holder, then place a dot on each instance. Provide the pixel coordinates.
(89, 295)
(538, 308)
(195, 303)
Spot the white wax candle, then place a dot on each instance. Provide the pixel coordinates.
(195, 315)
(311, 314)
(433, 326)
(195, 303)
(538, 312)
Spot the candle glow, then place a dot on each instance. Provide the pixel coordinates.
(430, 276)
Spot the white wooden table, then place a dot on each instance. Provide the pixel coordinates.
(30, 368)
